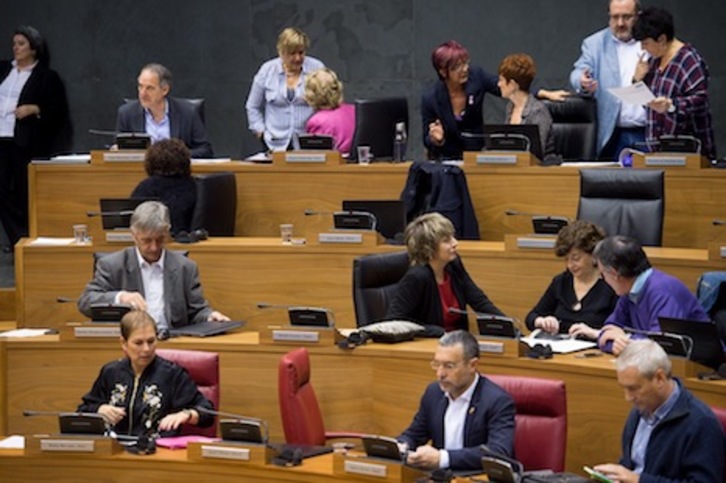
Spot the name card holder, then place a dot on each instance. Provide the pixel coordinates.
(518, 243)
(90, 331)
(307, 158)
(501, 347)
(364, 238)
(500, 158)
(247, 453)
(300, 335)
(360, 467)
(717, 251)
(82, 445)
(688, 161)
(115, 157)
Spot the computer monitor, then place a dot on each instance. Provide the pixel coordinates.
(116, 213)
(390, 215)
(375, 125)
(513, 137)
(707, 348)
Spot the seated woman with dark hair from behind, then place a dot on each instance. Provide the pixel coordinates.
(168, 165)
(516, 73)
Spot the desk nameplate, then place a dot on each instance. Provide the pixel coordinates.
(63, 443)
(307, 158)
(365, 238)
(253, 454)
(499, 158)
(90, 331)
(501, 347)
(351, 465)
(123, 156)
(293, 335)
(716, 251)
(690, 161)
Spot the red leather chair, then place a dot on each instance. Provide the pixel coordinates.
(301, 417)
(203, 368)
(540, 437)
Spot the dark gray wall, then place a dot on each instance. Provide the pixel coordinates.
(378, 47)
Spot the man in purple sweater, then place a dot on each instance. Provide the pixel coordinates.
(645, 293)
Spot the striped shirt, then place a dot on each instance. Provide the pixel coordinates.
(685, 81)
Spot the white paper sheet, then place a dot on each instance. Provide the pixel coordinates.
(563, 346)
(638, 94)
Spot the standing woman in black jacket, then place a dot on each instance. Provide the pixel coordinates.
(33, 108)
(436, 281)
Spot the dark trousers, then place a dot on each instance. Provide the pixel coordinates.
(14, 189)
(624, 137)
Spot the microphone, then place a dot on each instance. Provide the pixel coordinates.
(718, 222)
(239, 428)
(102, 132)
(309, 212)
(526, 213)
(65, 300)
(91, 214)
(31, 413)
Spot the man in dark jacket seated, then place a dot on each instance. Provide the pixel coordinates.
(460, 412)
(669, 435)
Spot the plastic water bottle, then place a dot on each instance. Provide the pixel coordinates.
(400, 143)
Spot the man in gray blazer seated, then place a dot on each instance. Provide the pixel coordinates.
(163, 117)
(162, 282)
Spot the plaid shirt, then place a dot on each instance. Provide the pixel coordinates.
(685, 81)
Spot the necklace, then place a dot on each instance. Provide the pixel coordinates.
(577, 306)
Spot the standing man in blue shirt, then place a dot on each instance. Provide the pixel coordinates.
(669, 435)
(608, 59)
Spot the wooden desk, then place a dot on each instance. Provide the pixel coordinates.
(237, 273)
(268, 195)
(166, 466)
(372, 389)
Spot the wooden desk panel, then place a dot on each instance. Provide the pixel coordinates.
(237, 273)
(372, 389)
(269, 195)
(166, 466)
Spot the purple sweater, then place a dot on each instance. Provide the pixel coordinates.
(662, 295)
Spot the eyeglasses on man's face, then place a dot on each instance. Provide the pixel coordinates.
(447, 366)
(627, 17)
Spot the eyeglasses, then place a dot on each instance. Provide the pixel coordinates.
(448, 366)
(461, 66)
(625, 17)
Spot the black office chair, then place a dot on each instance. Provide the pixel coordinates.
(216, 208)
(196, 103)
(375, 125)
(624, 202)
(574, 124)
(375, 278)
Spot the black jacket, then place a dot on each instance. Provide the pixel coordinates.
(417, 296)
(163, 378)
(44, 88)
(178, 193)
(441, 188)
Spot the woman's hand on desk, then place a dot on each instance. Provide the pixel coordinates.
(549, 324)
(111, 414)
(173, 421)
(583, 331)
